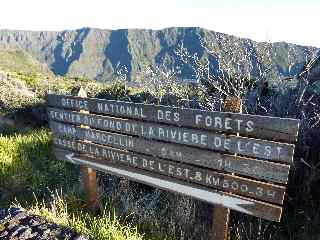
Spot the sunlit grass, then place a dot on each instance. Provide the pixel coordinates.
(28, 169)
(28, 166)
(105, 226)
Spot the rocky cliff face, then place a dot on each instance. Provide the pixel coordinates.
(98, 54)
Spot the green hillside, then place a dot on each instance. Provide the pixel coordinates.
(99, 54)
(20, 61)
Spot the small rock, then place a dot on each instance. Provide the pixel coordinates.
(42, 227)
(15, 223)
(36, 221)
(27, 234)
(80, 237)
(67, 234)
(4, 234)
(18, 230)
(20, 216)
(12, 225)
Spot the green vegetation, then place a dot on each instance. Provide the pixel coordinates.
(28, 167)
(105, 226)
(14, 60)
(32, 178)
(15, 93)
(22, 90)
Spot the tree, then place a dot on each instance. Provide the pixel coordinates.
(231, 68)
(239, 67)
(161, 81)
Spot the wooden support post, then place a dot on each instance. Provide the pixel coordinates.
(89, 175)
(89, 178)
(221, 215)
(220, 222)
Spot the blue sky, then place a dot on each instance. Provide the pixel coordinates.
(266, 20)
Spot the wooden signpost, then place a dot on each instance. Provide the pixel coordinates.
(89, 175)
(233, 160)
(221, 215)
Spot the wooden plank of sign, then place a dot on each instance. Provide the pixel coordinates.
(263, 170)
(226, 182)
(242, 204)
(265, 127)
(281, 152)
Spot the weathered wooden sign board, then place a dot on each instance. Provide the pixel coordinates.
(182, 150)
(263, 127)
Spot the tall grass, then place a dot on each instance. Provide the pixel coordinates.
(28, 167)
(28, 171)
(105, 226)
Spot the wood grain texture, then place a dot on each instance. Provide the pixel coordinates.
(262, 149)
(221, 215)
(255, 168)
(226, 182)
(89, 175)
(263, 127)
(220, 224)
(228, 200)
